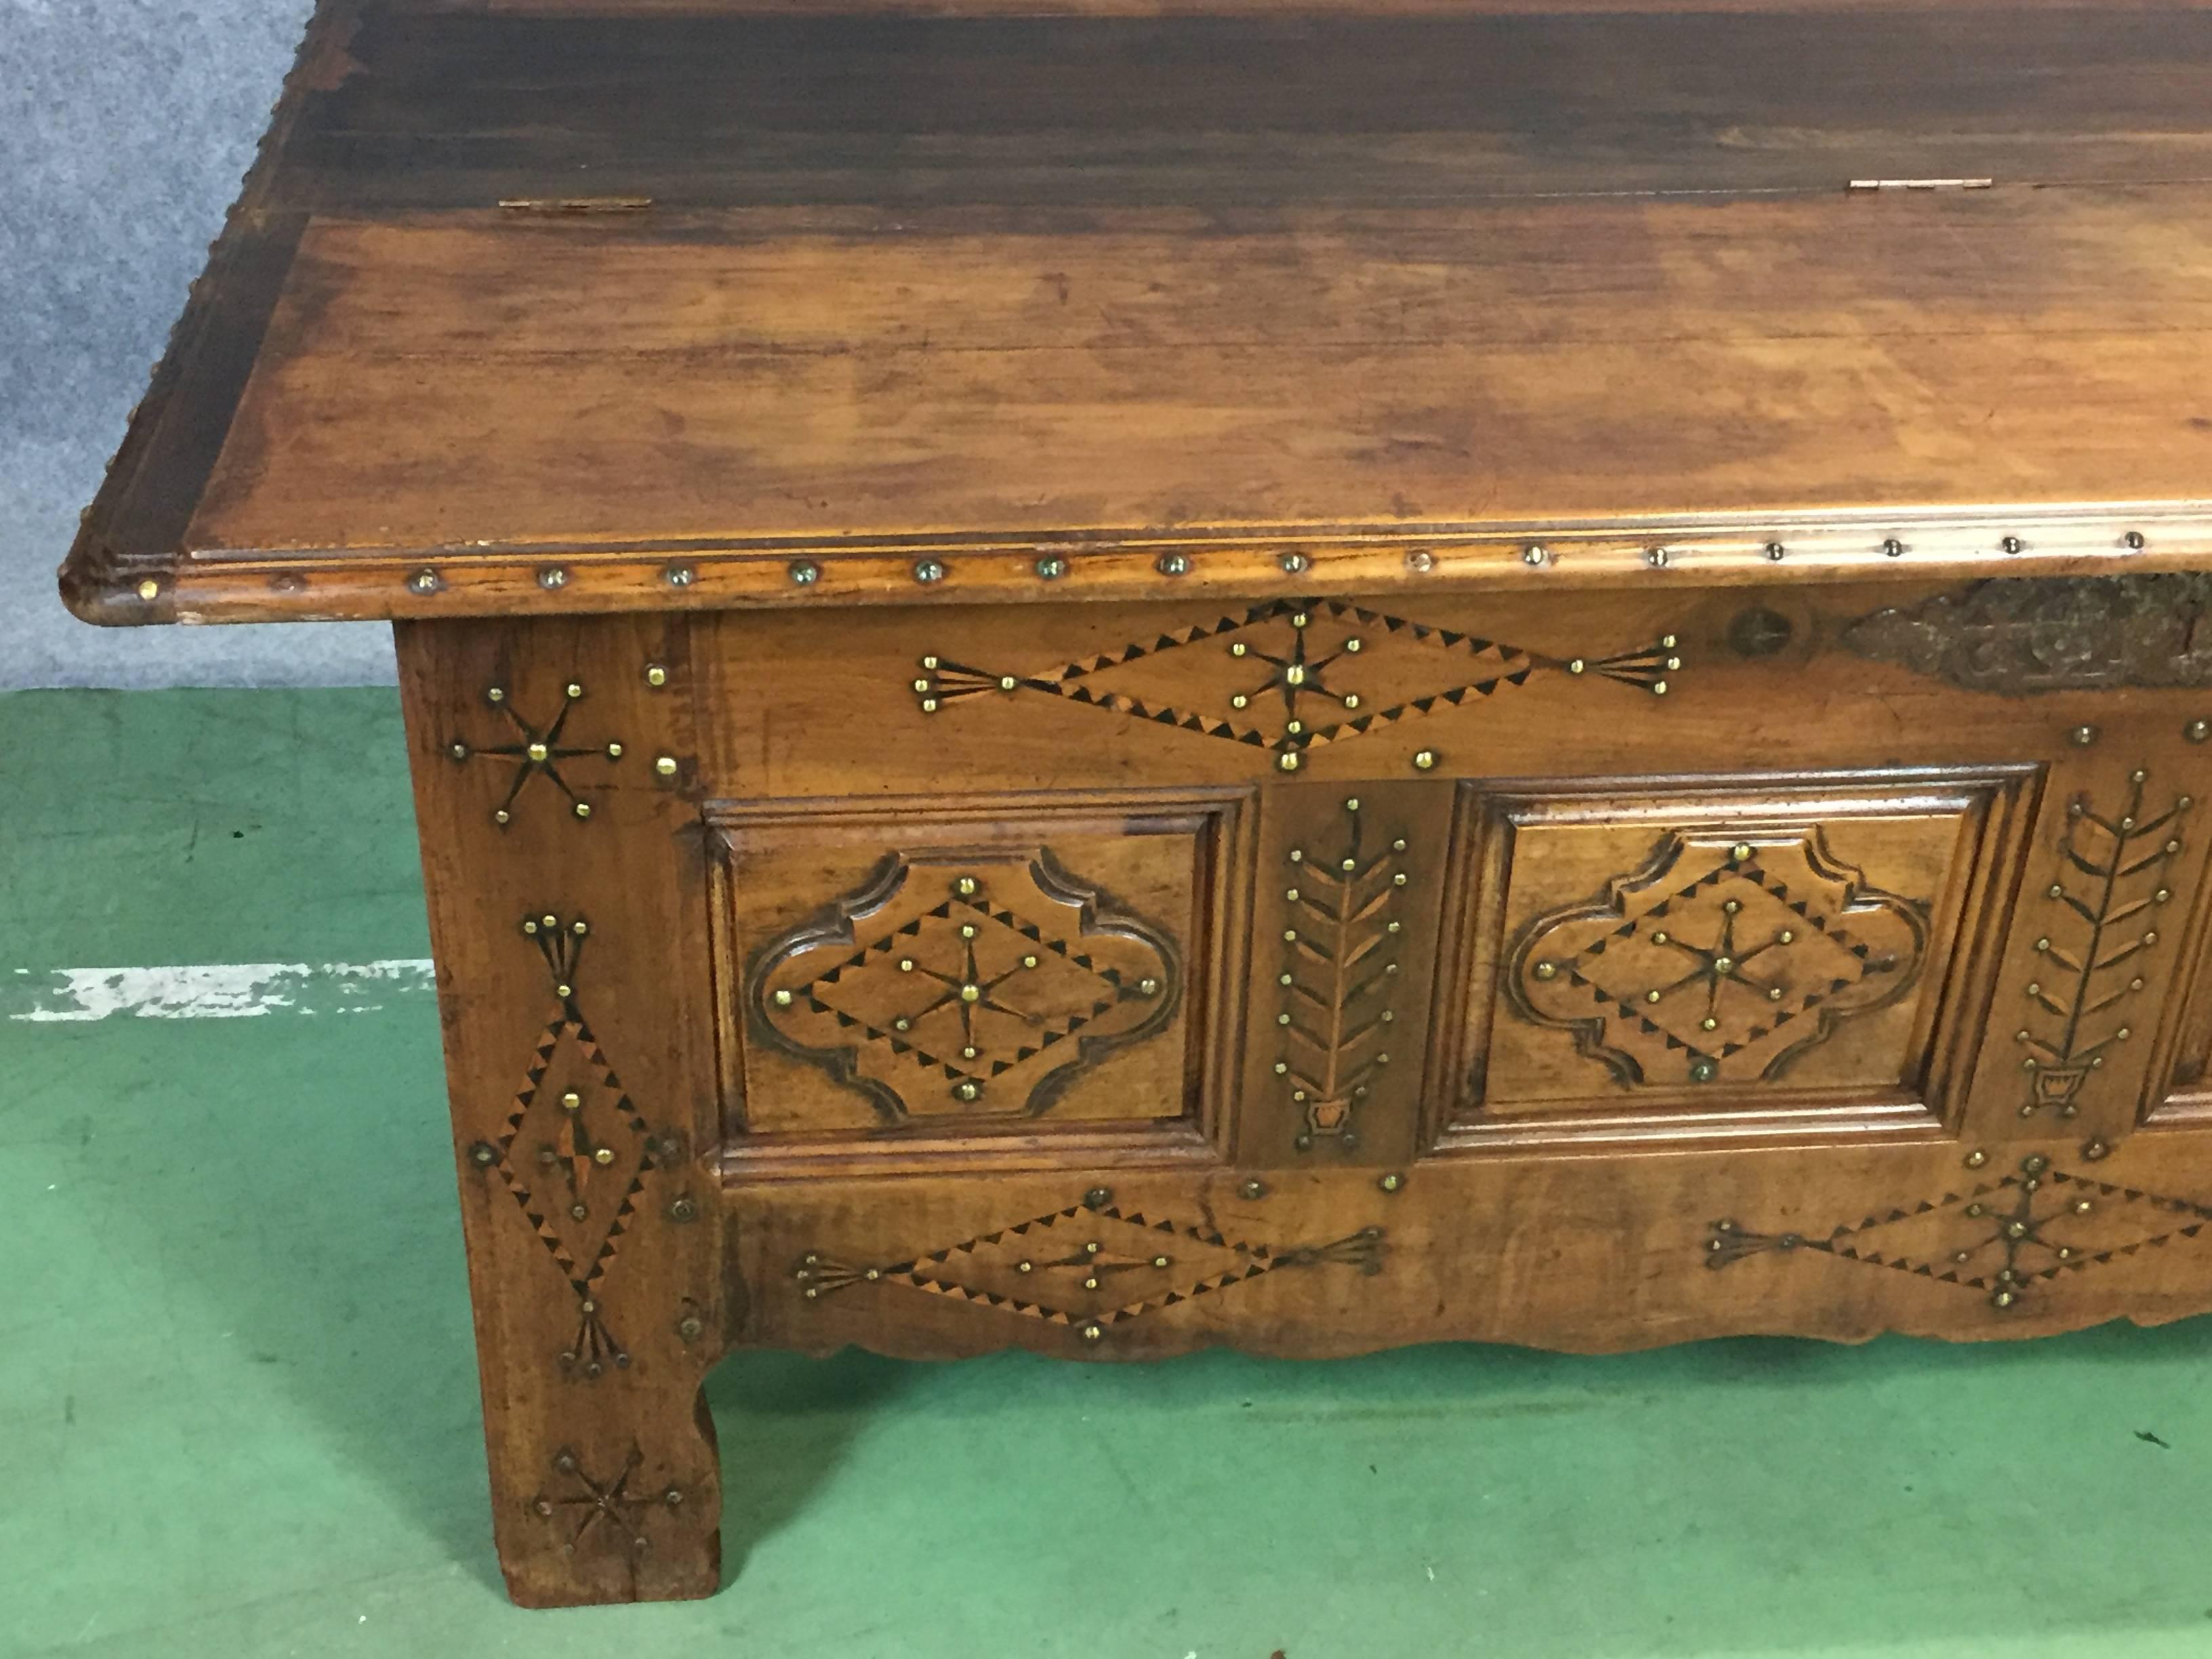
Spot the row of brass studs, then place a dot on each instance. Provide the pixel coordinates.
(1052, 567)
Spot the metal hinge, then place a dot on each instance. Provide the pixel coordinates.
(1924, 184)
(577, 204)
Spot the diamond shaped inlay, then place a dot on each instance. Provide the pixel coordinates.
(1291, 675)
(2001, 1237)
(965, 987)
(574, 1151)
(1088, 1267)
(1734, 953)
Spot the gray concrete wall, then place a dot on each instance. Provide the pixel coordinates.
(125, 128)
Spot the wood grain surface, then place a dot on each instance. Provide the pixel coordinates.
(526, 309)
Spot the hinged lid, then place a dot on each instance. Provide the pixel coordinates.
(567, 306)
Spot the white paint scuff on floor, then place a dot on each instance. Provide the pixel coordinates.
(212, 990)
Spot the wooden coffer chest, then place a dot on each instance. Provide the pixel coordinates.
(1313, 680)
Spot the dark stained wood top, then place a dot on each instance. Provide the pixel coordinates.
(620, 292)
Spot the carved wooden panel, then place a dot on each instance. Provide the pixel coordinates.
(1088, 1267)
(1660, 960)
(2002, 1235)
(1284, 677)
(1349, 889)
(2093, 980)
(947, 972)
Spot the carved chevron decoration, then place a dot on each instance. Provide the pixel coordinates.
(2001, 1237)
(1291, 675)
(2109, 885)
(1088, 1267)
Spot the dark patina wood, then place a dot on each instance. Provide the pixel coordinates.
(1139, 677)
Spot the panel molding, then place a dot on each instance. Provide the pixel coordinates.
(1952, 984)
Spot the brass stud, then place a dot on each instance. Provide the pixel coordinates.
(967, 930)
(1659, 938)
(2085, 735)
(783, 998)
(604, 1155)
(1976, 1158)
(1740, 852)
(1774, 993)
(1092, 1333)
(483, 1152)
(552, 577)
(1097, 1198)
(571, 1101)
(1239, 701)
(1029, 962)
(1656, 558)
(2082, 1206)
(2094, 1150)
(1786, 937)
(1052, 567)
(425, 580)
(1287, 763)
(1391, 1182)
(614, 751)
(1252, 1189)
(1148, 988)
(966, 886)
(583, 809)
(1425, 760)
(1893, 548)
(2133, 541)
(564, 992)
(677, 575)
(968, 1091)
(1775, 550)
(665, 765)
(2012, 544)
(926, 571)
(1703, 1071)
(579, 1211)
(2198, 731)
(1159, 1262)
(1351, 700)
(538, 752)
(1420, 561)
(495, 693)
(1651, 996)
(1577, 665)
(1294, 563)
(1547, 971)
(459, 751)
(971, 994)
(1536, 554)
(1172, 564)
(805, 573)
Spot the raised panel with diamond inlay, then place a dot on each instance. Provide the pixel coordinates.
(1771, 954)
(1029, 969)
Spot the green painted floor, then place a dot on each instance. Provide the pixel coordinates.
(238, 1415)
